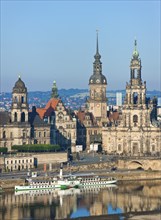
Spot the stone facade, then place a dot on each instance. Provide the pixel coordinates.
(19, 126)
(63, 123)
(136, 132)
(132, 130)
(19, 163)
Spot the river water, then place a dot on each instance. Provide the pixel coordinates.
(121, 201)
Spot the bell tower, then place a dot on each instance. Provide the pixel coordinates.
(136, 89)
(136, 109)
(19, 109)
(97, 102)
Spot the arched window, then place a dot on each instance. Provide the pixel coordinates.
(135, 120)
(4, 134)
(135, 73)
(24, 134)
(153, 147)
(22, 117)
(135, 148)
(15, 99)
(119, 147)
(22, 99)
(15, 117)
(135, 98)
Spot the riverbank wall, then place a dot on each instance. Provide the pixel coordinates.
(120, 176)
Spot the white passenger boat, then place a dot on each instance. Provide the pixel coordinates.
(38, 185)
(62, 182)
(96, 181)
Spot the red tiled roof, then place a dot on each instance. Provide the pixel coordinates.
(114, 116)
(52, 103)
(81, 116)
(41, 112)
(49, 111)
(50, 107)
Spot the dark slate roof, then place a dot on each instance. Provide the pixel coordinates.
(35, 119)
(19, 86)
(98, 79)
(38, 121)
(4, 118)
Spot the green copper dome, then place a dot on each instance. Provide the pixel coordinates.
(135, 52)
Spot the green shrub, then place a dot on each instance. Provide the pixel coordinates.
(3, 149)
(36, 148)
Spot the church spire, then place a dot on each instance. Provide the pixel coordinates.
(54, 90)
(97, 50)
(135, 52)
(97, 55)
(97, 65)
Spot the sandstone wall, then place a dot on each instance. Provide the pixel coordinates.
(46, 158)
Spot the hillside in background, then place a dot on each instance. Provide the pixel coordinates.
(72, 98)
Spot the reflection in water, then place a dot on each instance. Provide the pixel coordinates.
(72, 203)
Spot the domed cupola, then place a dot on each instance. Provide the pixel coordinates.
(97, 77)
(135, 54)
(19, 86)
(19, 108)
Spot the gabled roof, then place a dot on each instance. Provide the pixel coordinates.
(49, 108)
(53, 102)
(82, 116)
(4, 118)
(38, 121)
(49, 111)
(41, 112)
(113, 116)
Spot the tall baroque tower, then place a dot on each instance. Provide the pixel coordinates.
(97, 102)
(136, 107)
(135, 131)
(19, 109)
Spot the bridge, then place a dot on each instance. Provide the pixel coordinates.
(140, 163)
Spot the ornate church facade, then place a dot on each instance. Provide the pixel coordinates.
(136, 130)
(21, 126)
(133, 129)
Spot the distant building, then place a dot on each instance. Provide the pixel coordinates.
(119, 99)
(19, 163)
(159, 101)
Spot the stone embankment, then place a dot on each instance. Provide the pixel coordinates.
(11, 183)
(123, 175)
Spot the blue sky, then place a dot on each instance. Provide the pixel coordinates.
(45, 41)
